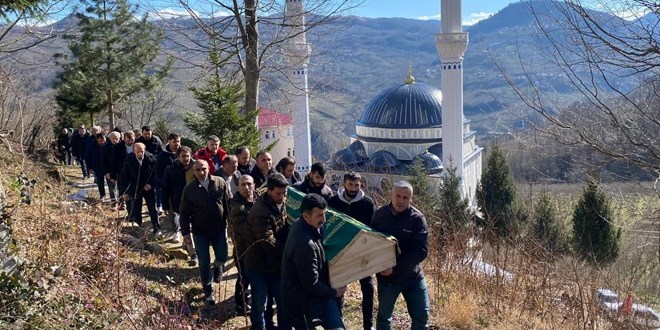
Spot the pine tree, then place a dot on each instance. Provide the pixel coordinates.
(424, 196)
(111, 59)
(223, 115)
(596, 236)
(496, 195)
(453, 208)
(546, 230)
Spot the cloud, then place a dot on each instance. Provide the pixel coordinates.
(473, 18)
(426, 18)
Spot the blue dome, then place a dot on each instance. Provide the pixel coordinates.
(345, 157)
(357, 148)
(431, 162)
(413, 105)
(383, 159)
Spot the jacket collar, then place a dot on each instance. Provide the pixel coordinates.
(309, 228)
(340, 193)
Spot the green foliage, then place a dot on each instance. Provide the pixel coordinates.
(546, 229)
(111, 59)
(222, 115)
(596, 237)
(424, 195)
(496, 195)
(30, 7)
(453, 209)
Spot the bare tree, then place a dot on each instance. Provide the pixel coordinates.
(145, 108)
(614, 64)
(252, 35)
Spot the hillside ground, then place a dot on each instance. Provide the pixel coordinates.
(78, 274)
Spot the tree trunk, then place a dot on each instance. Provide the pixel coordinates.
(111, 110)
(251, 43)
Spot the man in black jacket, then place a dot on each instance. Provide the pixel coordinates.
(136, 183)
(263, 169)
(287, 166)
(315, 182)
(205, 206)
(309, 297)
(78, 146)
(352, 201)
(164, 159)
(176, 177)
(151, 142)
(408, 226)
(241, 204)
(64, 147)
(245, 163)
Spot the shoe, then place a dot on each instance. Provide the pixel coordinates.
(209, 300)
(217, 274)
(160, 211)
(175, 238)
(114, 206)
(193, 261)
(122, 207)
(158, 234)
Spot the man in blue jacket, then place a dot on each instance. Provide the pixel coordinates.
(408, 226)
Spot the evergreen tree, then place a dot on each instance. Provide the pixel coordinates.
(223, 115)
(111, 59)
(496, 195)
(424, 196)
(454, 209)
(546, 230)
(596, 237)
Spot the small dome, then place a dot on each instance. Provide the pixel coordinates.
(344, 157)
(436, 149)
(409, 105)
(383, 160)
(431, 162)
(358, 150)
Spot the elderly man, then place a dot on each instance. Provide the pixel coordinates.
(352, 201)
(212, 153)
(136, 184)
(205, 207)
(287, 166)
(229, 173)
(263, 169)
(305, 277)
(408, 226)
(315, 182)
(265, 238)
(245, 163)
(241, 204)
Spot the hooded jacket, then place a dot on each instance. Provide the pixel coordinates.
(360, 208)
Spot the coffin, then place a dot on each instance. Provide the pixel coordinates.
(353, 250)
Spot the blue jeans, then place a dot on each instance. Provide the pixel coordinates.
(263, 285)
(417, 300)
(202, 247)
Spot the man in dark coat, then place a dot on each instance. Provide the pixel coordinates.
(241, 204)
(136, 181)
(205, 207)
(64, 147)
(176, 177)
(164, 159)
(352, 201)
(263, 169)
(108, 165)
(95, 158)
(408, 226)
(121, 150)
(78, 146)
(152, 143)
(305, 278)
(315, 182)
(245, 163)
(287, 166)
(267, 232)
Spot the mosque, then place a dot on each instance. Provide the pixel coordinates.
(405, 122)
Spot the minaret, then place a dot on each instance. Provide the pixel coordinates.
(297, 54)
(451, 43)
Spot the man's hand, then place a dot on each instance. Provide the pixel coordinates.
(340, 292)
(386, 272)
(125, 197)
(187, 239)
(147, 187)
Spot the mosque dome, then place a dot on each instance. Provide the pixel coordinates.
(383, 160)
(432, 163)
(405, 106)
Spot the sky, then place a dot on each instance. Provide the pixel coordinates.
(473, 10)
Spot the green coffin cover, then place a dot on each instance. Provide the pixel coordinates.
(339, 229)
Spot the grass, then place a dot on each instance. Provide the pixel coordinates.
(88, 280)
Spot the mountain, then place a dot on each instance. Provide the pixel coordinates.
(355, 58)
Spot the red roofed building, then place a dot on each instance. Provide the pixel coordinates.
(276, 127)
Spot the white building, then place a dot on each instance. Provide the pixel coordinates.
(276, 128)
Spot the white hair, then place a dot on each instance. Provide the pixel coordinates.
(403, 184)
(115, 134)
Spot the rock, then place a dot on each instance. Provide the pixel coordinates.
(132, 242)
(155, 248)
(177, 253)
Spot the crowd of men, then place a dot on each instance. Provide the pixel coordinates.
(212, 196)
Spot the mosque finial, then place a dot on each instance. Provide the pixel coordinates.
(410, 79)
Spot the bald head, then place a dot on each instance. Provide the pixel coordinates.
(201, 169)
